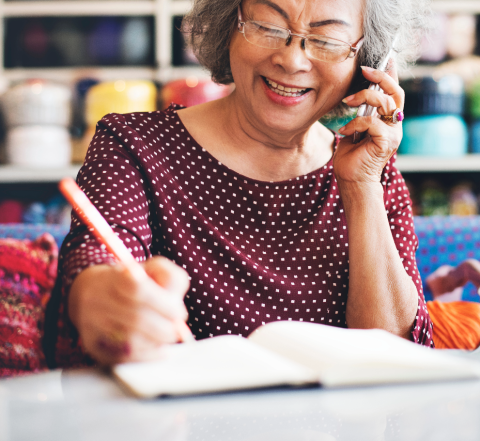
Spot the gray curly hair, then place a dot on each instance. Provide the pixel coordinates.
(210, 24)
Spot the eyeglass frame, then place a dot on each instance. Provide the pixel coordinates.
(353, 48)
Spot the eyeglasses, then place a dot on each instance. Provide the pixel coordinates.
(319, 47)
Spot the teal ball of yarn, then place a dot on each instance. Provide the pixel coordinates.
(434, 135)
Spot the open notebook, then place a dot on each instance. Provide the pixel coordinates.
(291, 353)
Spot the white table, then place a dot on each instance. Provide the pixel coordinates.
(87, 405)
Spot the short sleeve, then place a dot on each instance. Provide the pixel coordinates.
(399, 211)
(112, 180)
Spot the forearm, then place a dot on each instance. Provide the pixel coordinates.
(381, 293)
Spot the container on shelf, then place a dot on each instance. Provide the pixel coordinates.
(474, 100)
(39, 146)
(434, 96)
(433, 48)
(119, 97)
(192, 91)
(461, 35)
(37, 102)
(435, 135)
(475, 136)
(76, 41)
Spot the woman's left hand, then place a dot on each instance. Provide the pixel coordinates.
(364, 162)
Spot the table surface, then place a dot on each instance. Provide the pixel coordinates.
(88, 405)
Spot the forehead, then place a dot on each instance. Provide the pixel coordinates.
(305, 12)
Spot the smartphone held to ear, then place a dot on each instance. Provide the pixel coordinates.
(367, 110)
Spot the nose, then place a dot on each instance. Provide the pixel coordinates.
(292, 57)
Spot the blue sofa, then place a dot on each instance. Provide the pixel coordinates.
(442, 241)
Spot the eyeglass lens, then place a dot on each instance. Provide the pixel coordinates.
(271, 37)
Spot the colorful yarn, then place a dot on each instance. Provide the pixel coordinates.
(27, 275)
(456, 325)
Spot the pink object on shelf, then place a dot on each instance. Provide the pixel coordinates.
(10, 212)
(192, 91)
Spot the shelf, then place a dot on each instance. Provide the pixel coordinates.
(70, 74)
(180, 7)
(13, 174)
(457, 6)
(405, 163)
(425, 164)
(77, 8)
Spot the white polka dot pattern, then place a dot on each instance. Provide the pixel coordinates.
(256, 251)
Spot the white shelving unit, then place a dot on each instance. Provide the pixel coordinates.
(457, 6)
(405, 163)
(14, 174)
(163, 11)
(427, 164)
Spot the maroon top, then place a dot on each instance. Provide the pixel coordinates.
(256, 251)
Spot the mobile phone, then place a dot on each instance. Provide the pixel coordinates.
(365, 110)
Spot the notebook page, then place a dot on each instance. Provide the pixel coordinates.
(211, 365)
(352, 356)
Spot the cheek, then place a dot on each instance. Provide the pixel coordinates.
(245, 58)
(340, 80)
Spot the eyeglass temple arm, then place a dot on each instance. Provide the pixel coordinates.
(354, 49)
(240, 19)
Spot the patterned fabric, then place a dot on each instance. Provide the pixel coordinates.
(256, 251)
(32, 231)
(27, 275)
(457, 324)
(447, 241)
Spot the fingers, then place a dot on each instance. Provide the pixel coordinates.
(120, 318)
(385, 104)
(388, 84)
(392, 70)
(168, 275)
(150, 295)
(381, 133)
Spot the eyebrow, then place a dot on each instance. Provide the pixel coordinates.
(315, 24)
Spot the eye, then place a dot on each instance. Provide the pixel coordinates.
(326, 44)
(269, 31)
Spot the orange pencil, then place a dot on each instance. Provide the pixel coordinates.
(104, 233)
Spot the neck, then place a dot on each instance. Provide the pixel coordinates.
(270, 154)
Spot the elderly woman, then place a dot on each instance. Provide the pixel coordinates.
(259, 212)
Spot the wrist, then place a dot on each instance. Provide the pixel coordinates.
(356, 192)
(83, 283)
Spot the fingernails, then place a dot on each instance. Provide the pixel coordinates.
(348, 99)
(367, 69)
(341, 129)
(113, 349)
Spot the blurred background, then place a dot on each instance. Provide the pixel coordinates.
(65, 64)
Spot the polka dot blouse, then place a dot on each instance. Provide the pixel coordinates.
(256, 251)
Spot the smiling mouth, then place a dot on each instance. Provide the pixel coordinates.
(284, 91)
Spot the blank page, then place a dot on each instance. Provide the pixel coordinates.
(212, 365)
(356, 356)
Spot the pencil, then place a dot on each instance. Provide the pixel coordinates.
(104, 233)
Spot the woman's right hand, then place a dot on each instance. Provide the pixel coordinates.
(120, 319)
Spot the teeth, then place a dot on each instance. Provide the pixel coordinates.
(285, 91)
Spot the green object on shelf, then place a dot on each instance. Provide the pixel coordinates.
(434, 201)
(474, 100)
